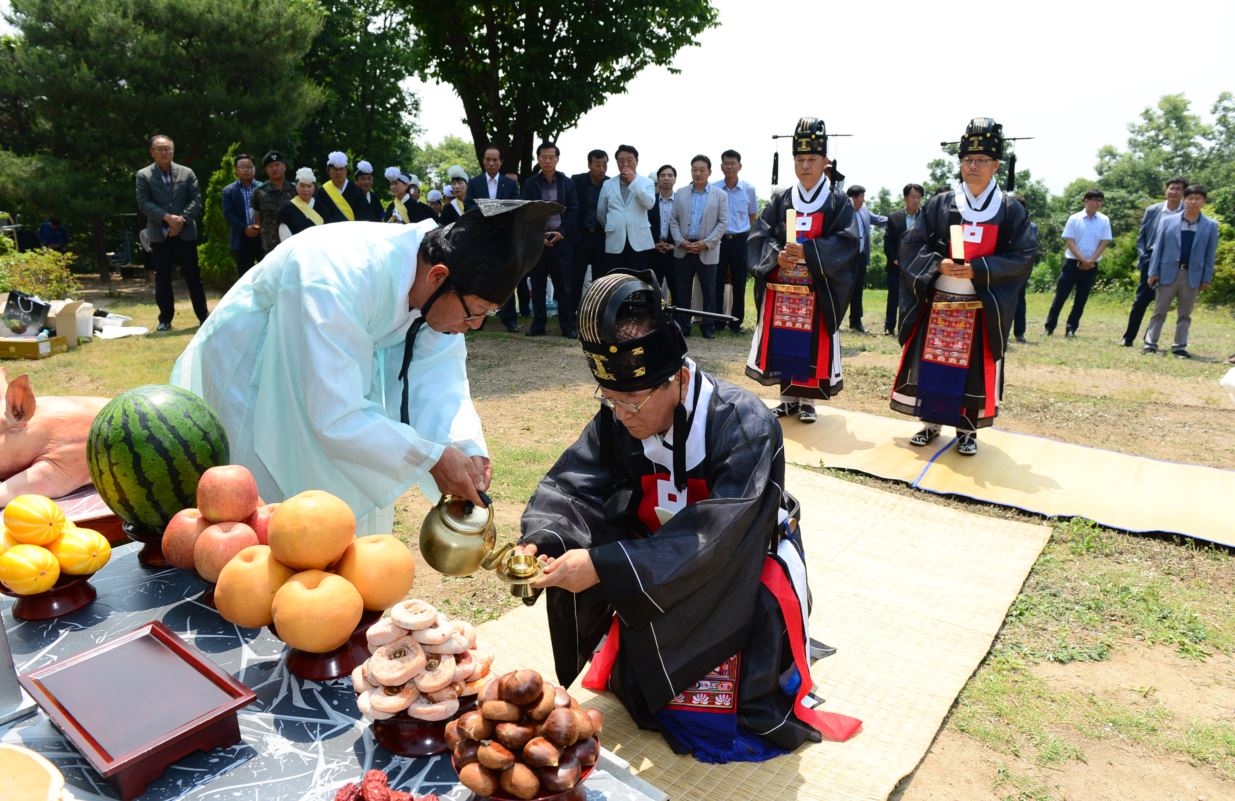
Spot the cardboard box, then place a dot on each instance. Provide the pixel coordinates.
(73, 320)
(31, 348)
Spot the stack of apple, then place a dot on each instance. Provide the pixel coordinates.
(307, 573)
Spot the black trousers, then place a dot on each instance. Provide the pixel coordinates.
(167, 255)
(859, 283)
(732, 261)
(891, 311)
(629, 258)
(250, 253)
(684, 272)
(662, 265)
(588, 251)
(1143, 300)
(1071, 277)
(1018, 320)
(555, 263)
(508, 314)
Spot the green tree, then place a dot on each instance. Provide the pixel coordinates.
(360, 59)
(92, 80)
(941, 172)
(214, 254)
(527, 71)
(430, 162)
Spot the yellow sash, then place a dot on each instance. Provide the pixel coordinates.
(337, 197)
(400, 209)
(308, 211)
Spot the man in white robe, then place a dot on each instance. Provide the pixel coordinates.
(302, 358)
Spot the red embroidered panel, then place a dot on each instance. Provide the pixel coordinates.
(792, 311)
(716, 692)
(949, 336)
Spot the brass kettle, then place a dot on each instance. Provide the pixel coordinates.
(457, 538)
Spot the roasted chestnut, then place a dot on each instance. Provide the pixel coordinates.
(465, 752)
(540, 753)
(561, 697)
(545, 705)
(500, 710)
(514, 735)
(560, 778)
(494, 755)
(489, 691)
(474, 725)
(583, 723)
(586, 751)
(479, 779)
(598, 720)
(521, 687)
(452, 734)
(560, 727)
(520, 781)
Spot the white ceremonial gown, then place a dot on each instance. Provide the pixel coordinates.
(301, 361)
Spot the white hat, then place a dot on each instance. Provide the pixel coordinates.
(434, 197)
(456, 172)
(364, 168)
(336, 159)
(413, 180)
(395, 174)
(448, 191)
(304, 175)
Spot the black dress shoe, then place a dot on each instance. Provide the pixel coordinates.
(1181, 353)
(1127, 343)
(512, 327)
(164, 327)
(571, 333)
(535, 332)
(709, 335)
(858, 328)
(736, 329)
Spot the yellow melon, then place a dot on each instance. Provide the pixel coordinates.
(80, 551)
(28, 569)
(27, 776)
(33, 519)
(7, 541)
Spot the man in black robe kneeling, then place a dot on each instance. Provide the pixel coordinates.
(667, 540)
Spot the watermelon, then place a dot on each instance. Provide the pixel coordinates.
(147, 449)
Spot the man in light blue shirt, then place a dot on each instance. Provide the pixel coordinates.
(866, 219)
(743, 209)
(1088, 233)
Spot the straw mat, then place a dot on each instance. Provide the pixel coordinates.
(910, 593)
(1038, 475)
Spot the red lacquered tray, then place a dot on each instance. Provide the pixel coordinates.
(138, 703)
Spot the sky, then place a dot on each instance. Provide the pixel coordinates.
(902, 77)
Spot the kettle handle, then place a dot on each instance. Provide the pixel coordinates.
(468, 506)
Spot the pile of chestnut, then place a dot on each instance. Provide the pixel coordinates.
(526, 738)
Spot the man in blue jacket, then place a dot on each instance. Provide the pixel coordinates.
(1182, 266)
(246, 239)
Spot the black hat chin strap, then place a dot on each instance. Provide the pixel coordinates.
(410, 342)
(681, 432)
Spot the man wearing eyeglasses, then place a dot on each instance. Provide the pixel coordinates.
(962, 268)
(661, 527)
(334, 364)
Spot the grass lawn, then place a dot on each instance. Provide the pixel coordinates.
(1110, 630)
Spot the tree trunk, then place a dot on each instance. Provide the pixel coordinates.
(100, 251)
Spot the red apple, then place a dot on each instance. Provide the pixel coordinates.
(227, 494)
(181, 535)
(217, 545)
(259, 521)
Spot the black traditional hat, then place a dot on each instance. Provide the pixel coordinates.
(810, 138)
(491, 247)
(983, 136)
(629, 365)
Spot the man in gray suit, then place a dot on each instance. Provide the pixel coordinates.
(700, 214)
(167, 193)
(622, 210)
(1173, 204)
(1182, 266)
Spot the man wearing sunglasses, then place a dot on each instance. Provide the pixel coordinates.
(658, 528)
(334, 366)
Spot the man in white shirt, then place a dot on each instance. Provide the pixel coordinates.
(1088, 233)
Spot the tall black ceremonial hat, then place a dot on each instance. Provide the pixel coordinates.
(491, 247)
(983, 136)
(634, 363)
(810, 138)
